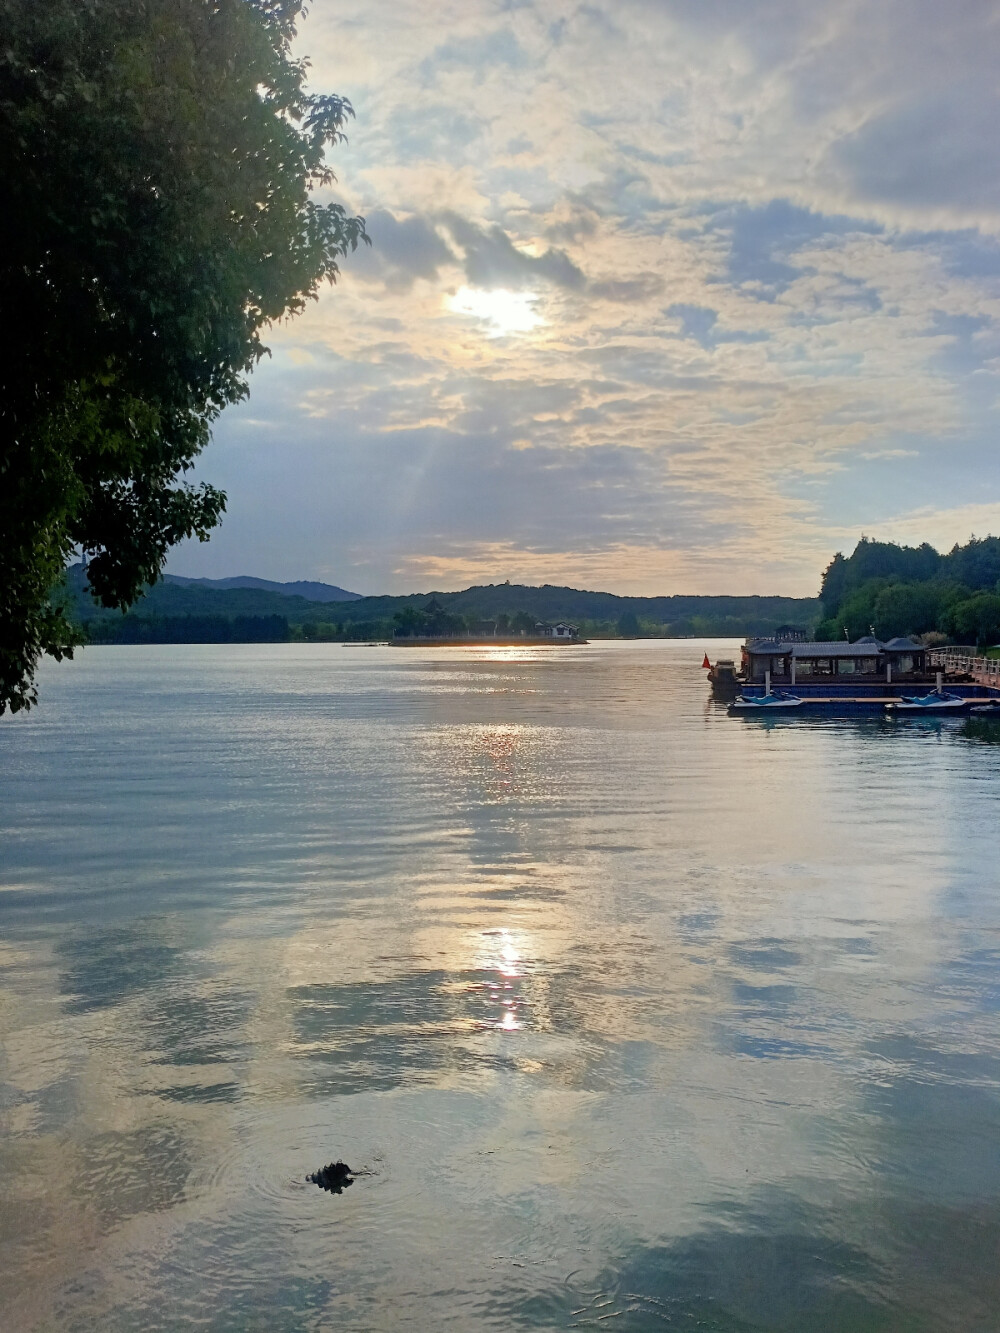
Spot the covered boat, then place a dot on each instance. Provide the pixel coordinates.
(778, 701)
(938, 701)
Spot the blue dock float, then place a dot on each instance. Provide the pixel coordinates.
(856, 700)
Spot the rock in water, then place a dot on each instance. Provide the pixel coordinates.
(335, 1177)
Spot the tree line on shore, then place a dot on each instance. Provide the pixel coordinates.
(169, 612)
(139, 629)
(188, 629)
(892, 589)
(135, 628)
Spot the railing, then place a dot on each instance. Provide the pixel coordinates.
(959, 659)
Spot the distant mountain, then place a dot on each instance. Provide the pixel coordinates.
(203, 597)
(311, 591)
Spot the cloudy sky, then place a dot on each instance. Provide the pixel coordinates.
(674, 296)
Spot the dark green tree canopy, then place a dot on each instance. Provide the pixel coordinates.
(158, 167)
(876, 560)
(913, 590)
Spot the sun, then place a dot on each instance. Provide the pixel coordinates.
(501, 310)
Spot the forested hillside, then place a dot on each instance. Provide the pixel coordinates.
(310, 589)
(914, 590)
(170, 611)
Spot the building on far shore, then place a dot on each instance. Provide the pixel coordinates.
(791, 660)
(559, 631)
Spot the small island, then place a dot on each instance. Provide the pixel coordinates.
(433, 626)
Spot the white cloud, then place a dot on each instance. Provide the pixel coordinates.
(943, 527)
(734, 256)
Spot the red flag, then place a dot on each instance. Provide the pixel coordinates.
(707, 664)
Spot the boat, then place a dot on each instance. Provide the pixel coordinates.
(776, 701)
(722, 677)
(938, 701)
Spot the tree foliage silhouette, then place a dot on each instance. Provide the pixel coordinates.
(160, 162)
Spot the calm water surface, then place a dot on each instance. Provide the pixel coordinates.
(641, 1016)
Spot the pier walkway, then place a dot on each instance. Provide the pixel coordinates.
(952, 661)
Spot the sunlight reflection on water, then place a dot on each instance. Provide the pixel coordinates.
(634, 1011)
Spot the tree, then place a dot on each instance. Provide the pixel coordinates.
(410, 622)
(886, 560)
(856, 613)
(907, 608)
(871, 560)
(976, 564)
(834, 584)
(440, 622)
(628, 625)
(977, 617)
(158, 163)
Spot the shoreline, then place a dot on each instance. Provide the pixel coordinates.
(496, 641)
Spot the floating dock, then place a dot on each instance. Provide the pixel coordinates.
(872, 703)
(867, 677)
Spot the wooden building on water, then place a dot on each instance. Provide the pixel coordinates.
(800, 662)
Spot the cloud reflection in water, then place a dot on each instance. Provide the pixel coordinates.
(632, 1011)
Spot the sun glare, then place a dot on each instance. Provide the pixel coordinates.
(503, 311)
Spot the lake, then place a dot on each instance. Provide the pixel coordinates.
(629, 1014)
